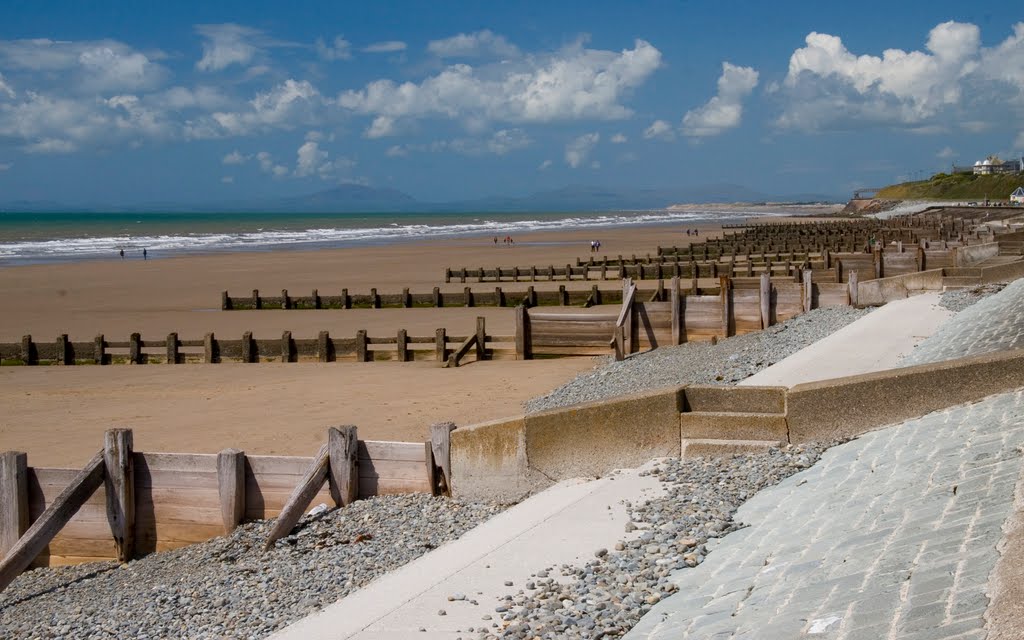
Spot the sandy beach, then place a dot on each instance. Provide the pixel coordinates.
(58, 415)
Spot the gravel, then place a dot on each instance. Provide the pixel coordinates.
(606, 596)
(227, 587)
(728, 362)
(959, 299)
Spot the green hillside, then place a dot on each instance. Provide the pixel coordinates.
(959, 186)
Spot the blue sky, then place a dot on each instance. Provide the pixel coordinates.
(203, 102)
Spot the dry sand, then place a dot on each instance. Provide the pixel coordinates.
(58, 414)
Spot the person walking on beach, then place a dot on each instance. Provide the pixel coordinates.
(145, 255)
(122, 254)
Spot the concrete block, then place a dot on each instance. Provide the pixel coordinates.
(732, 398)
(733, 426)
(594, 438)
(881, 290)
(693, 447)
(489, 462)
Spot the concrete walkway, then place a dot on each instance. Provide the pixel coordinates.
(562, 525)
(893, 535)
(875, 342)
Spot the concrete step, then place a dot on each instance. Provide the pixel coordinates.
(707, 447)
(733, 425)
(751, 399)
(959, 282)
(962, 272)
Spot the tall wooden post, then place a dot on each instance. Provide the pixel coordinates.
(441, 345)
(723, 283)
(808, 291)
(441, 447)
(362, 349)
(231, 487)
(171, 347)
(99, 350)
(481, 339)
(766, 300)
(255, 299)
(323, 346)
(61, 346)
(225, 301)
(13, 499)
(284, 299)
(403, 345)
(209, 349)
(677, 312)
(135, 348)
(286, 346)
(343, 450)
(523, 340)
(247, 355)
(853, 293)
(119, 480)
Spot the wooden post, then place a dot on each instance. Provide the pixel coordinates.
(225, 301)
(247, 347)
(463, 275)
(481, 339)
(563, 296)
(99, 350)
(315, 297)
(878, 262)
(374, 299)
(853, 288)
(568, 272)
(808, 291)
(172, 348)
(437, 297)
(255, 298)
(499, 297)
(13, 499)
(920, 259)
(308, 487)
(523, 350)
(677, 312)
(467, 296)
(323, 346)
(119, 480)
(595, 294)
(447, 274)
(723, 283)
(209, 349)
(441, 447)
(362, 348)
(551, 272)
(441, 345)
(61, 349)
(284, 299)
(286, 346)
(403, 345)
(766, 300)
(343, 454)
(406, 298)
(231, 487)
(531, 296)
(135, 348)
(346, 300)
(57, 514)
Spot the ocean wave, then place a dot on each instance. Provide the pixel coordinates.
(78, 248)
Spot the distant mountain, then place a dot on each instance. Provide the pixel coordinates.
(360, 198)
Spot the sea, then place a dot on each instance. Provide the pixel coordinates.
(28, 238)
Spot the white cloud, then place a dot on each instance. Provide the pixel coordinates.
(287, 105)
(311, 159)
(619, 138)
(339, 49)
(4, 166)
(89, 66)
(1019, 142)
(201, 97)
(235, 157)
(725, 110)
(5, 88)
(382, 127)
(575, 83)
(228, 179)
(829, 88)
(544, 166)
(396, 151)
(227, 44)
(267, 165)
(499, 143)
(946, 153)
(389, 46)
(577, 150)
(659, 130)
(51, 145)
(473, 45)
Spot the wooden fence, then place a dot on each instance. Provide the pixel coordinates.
(211, 349)
(637, 325)
(157, 501)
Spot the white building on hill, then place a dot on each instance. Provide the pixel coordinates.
(993, 164)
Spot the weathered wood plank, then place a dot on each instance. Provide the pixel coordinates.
(343, 454)
(440, 447)
(119, 480)
(308, 487)
(231, 487)
(60, 511)
(13, 499)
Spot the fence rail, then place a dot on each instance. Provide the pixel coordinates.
(211, 349)
(158, 501)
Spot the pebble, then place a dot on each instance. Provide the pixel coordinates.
(959, 299)
(728, 362)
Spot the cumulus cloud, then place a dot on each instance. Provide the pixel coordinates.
(339, 49)
(311, 159)
(619, 138)
(267, 165)
(287, 105)
(946, 153)
(227, 44)
(473, 45)
(235, 157)
(4, 166)
(51, 145)
(5, 89)
(382, 127)
(204, 98)
(725, 110)
(544, 166)
(827, 87)
(396, 151)
(87, 66)
(577, 150)
(659, 130)
(574, 83)
(388, 46)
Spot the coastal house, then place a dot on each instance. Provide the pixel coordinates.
(993, 165)
(1017, 197)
